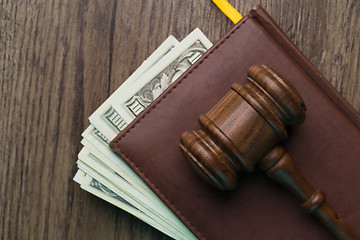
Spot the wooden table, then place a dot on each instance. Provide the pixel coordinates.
(59, 60)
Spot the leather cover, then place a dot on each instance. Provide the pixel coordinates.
(325, 148)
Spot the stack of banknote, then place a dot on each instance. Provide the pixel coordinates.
(102, 172)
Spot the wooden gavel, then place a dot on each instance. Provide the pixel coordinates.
(243, 129)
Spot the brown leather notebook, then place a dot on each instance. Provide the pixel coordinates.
(325, 148)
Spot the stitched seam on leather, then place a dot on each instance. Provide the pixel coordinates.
(164, 197)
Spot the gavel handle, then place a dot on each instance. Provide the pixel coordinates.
(280, 167)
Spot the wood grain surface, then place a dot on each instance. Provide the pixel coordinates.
(59, 60)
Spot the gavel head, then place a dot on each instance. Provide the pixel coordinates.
(243, 127)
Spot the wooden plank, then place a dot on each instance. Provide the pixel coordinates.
(61, 59)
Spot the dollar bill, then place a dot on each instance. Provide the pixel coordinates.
(105, 174)
(102, 152)
(95, 168)
(105, 118)
(96, 147)
(149, 86)
(97, 144)
(96, 188)
(121, 169)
